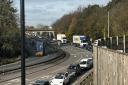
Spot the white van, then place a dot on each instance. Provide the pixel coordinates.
(84, 64)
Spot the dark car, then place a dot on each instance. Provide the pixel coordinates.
(41, 82)
(90, 62)
(74, 68)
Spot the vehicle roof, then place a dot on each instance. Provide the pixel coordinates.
(59, 76)
(89, 58)
(85, 59)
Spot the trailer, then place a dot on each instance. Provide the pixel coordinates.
(80, 40)
(61, 38)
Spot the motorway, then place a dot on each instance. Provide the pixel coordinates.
(48, 70)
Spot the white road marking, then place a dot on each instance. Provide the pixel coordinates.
(59, 69)
(46, 77)
(8, 84)
(79, 59)
(75, 56)
(72, 54)
(15, 80)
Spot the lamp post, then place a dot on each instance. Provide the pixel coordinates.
(22, 25)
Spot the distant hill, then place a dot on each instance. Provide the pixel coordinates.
(92, 21)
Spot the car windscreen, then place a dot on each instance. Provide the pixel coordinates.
(83, 41)
(90, 59)
(59, 76)
(64, 38)
(72, 67)
(83, 62)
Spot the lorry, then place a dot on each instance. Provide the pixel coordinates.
(80, 40)
(61, 38)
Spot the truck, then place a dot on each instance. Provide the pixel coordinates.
(61, 38)
(80, 40)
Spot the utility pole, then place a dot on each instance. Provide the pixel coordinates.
(22, 25)
(108, 24)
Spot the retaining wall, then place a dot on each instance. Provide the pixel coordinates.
(110, 67)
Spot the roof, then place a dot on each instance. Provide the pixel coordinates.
(85, 59)
(89, 58)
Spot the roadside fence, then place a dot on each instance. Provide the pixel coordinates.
(119, 43)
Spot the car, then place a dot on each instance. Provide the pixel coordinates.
(90, 62)
(41, 82)
(60, 79)
(85, 64)
(89, 48)
(74, 68)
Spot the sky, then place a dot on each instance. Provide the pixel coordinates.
(46, 12)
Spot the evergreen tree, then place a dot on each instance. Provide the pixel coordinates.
(9, 32)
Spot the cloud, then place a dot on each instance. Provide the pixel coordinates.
(48, 11)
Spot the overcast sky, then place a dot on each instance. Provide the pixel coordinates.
(48, 11)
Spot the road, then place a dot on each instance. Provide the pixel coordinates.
(48, 70)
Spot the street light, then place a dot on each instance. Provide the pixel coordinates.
(22, 25)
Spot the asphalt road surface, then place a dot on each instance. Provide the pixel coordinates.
(48, 70)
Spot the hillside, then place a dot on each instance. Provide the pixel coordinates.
(92, 21)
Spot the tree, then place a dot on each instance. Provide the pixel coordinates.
(9, 32)
(92, 20)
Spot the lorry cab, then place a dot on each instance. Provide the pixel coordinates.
(83, 43)
(64, 40)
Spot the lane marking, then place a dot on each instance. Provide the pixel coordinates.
(75, 56)
(15, 80)
(8, 84)
(48, 76)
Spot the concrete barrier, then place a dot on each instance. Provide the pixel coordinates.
(86, 79)
(110, 67)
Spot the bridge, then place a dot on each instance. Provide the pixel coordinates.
(35, 32)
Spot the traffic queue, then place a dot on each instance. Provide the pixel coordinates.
(72, 73)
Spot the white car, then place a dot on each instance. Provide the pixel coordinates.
(84, 64)
(60, 79)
